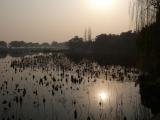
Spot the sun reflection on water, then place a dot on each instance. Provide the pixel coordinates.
(103, 96)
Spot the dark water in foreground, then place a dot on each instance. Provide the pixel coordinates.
(52, 87)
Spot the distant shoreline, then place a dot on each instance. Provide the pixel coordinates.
(31, 49)
(76, 56)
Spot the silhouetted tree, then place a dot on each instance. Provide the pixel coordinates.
(3, 44)
(17, 44)
(123, 44)
(54, 43)
(45, 44)
(146, 14)
(30, 44)
(75, 44)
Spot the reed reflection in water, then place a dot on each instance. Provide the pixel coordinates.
(51, 86)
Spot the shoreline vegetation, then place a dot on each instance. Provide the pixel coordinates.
(146, 14)
(140, 49)
(113, 48)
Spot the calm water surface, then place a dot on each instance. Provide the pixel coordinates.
(52, 87)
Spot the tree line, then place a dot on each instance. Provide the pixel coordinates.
(106, 44)
(106, 48)
(17, 44)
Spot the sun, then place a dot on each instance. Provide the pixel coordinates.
(101, 4)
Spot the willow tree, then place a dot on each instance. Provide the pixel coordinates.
(146, 15)
(145, 12)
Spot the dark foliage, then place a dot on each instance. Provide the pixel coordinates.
(3, 44)
(109, 49)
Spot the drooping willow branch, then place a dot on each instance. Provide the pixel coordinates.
(144, 12)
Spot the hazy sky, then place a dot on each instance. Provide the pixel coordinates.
(60, 20)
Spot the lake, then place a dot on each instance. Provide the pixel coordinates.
(54, 87)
